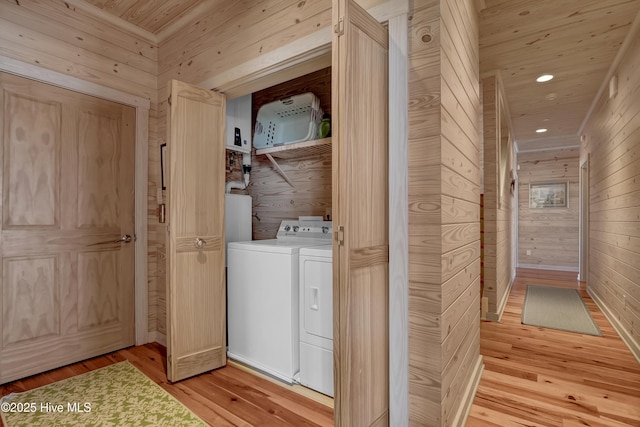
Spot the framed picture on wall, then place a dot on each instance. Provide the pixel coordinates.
(163, 168)
(548, 195)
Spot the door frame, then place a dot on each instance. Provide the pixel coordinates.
(311, 53)
(583, 270)
(35, 72)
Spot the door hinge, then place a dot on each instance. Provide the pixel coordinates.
(339, 27)
(340, 235)
(169, 100)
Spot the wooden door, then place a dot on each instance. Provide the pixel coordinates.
(196, 306)
(360, 209)
(67, 278)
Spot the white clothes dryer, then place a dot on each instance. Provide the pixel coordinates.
(316, 318)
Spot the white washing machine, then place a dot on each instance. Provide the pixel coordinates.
(316, 318)
(263, 297)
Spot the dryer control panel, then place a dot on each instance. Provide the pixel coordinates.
(305, 228)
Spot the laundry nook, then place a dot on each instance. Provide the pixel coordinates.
(280, 289)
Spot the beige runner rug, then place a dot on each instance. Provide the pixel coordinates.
(557, 308)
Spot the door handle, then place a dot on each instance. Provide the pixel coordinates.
(199, 243)
(126, 238)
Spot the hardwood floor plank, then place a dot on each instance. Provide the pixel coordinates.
(225, 397)
(542, 377)
(306, 408)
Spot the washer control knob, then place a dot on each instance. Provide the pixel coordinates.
(287, 227)
(325, 229)
(296, 228)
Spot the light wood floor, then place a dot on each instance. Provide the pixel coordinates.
(226, 397)
(532, 377)
(543, 377)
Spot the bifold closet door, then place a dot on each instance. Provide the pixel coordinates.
(196, 325)
(360, 209)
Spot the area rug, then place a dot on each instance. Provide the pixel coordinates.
(557, 308)
(116, 395)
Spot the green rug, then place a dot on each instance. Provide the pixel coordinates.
(557, 308)
(116, 395)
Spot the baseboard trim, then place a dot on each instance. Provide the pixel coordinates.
(631, 343)
(159, 337)
(549, 267)
(469, 394)
(497, 317)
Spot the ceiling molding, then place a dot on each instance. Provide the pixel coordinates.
(122, 24)
(626, 44)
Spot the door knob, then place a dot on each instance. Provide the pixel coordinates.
(199, 243)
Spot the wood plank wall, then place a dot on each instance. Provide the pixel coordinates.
(53, 35)
(444, 196)
(498, 265)
(613, 147)
(273, 198)
(551, 234)
(444, 175)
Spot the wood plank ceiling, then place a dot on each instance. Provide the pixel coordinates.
(150, 15)
(575, 40)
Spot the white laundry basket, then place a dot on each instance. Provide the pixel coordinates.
(288, 120)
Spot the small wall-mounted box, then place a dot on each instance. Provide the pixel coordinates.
(238, 127)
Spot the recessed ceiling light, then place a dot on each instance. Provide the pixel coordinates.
(544, 78)
(541, 130)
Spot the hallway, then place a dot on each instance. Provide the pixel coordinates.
(544, 377)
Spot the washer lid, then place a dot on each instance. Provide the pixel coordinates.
(319, 251)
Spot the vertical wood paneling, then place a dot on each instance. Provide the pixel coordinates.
(444, 200)
(550, 234)
(612, 144)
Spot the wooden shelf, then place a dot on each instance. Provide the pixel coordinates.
(315, 147)
(297, 150)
